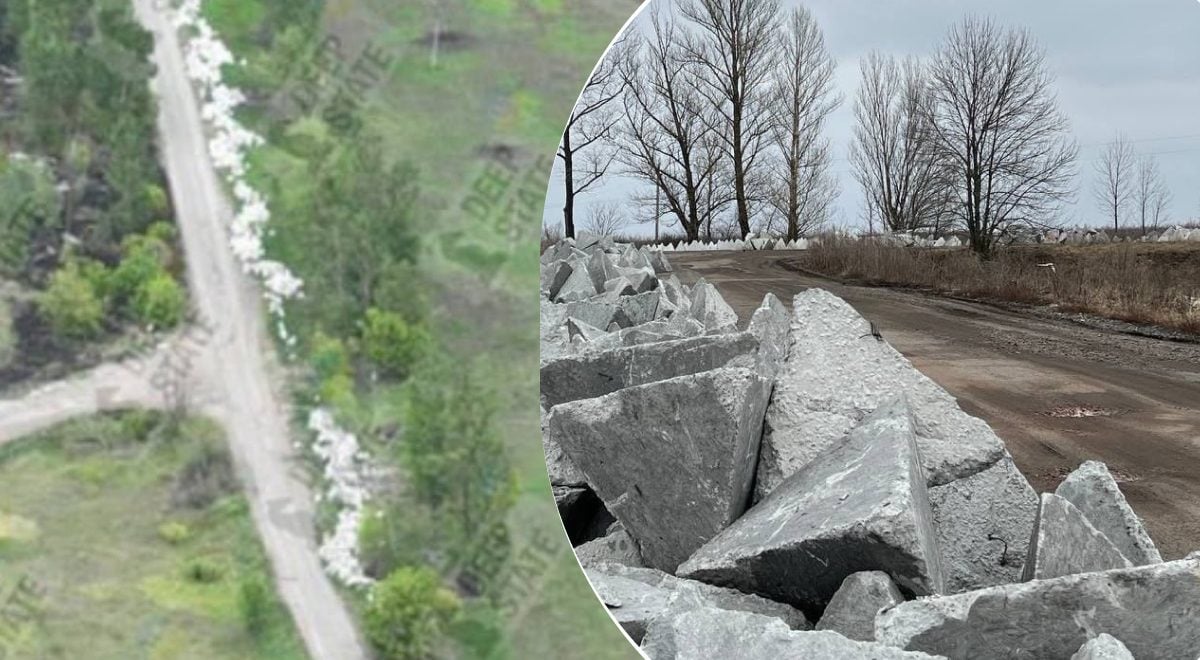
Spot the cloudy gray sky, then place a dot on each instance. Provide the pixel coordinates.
(1121, 65)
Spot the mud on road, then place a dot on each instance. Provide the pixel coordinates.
(1058, 393)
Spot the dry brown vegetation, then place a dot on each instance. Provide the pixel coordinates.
(1148, 283)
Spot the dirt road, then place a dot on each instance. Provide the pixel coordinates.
(1022, 374)
(238, 361)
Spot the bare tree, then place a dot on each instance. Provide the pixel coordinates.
(1151, 194)
(905, 182)
(734, 43)
(802, 191)
(997, 125)
(606, 219)
(667, 136)
(585, 150)
(1115, 179)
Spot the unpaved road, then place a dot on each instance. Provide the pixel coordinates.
(1014, 371)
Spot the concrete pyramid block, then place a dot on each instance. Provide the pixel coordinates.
(672, 460)
(577, 287)
(710, 308)
(1065, 543)
(860, 507)
(1152, 609)
(1092, 489)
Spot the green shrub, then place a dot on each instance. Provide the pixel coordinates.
(203, 571)
(142, 262)
(8, 337)
(254, 603)
(403, 534)
(159, 302)
(162, 230)
(391, 343)
(409, 612)
(174, 532)
(328, 356)
(71, 305)
(157, 202)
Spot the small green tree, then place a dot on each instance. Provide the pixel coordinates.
(143, 260)
(391, 343)
(409, 612)
(71, 305)
(159, 302)
(254, 602)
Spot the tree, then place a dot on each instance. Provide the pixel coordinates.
(408, 612)
(997, 125)
(893, 157)
(733, 42)
(584, 149)
(803, 191)
(391, 343)
(668, 137)
(606, 219)
(28, 202)
(457, 465)
(160, 302)
(1151, 194)
(1115, 179)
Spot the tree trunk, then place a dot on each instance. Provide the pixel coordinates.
(568, 187)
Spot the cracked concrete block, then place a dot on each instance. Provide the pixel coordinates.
(554, 276)
(1152, 609)
(637, 596)
(592, 374)
(852, 610)
(862, 506)
(578, 286)
(672, 460)
(616, 547)
(834, 376)
(1065, 543)
(1092, 489)
(983, 524)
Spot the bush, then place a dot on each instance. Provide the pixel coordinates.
(403, 534)
(143, 260)
(71, 305)
(254, 603)
(8, 338)
(207, 475)
(391, 343)
(328, 357)
(174, 532)
(159, 302)
(409, 612)
(203, 571)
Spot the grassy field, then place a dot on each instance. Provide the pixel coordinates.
(480, 125)
(1146, 283)
(140, 552)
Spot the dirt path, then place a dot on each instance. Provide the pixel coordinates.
(1016, 372)
(237, 363)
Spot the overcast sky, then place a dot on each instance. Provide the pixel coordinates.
(1121, 65)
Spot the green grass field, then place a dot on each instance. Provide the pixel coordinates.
(90, 511)
(507, 73)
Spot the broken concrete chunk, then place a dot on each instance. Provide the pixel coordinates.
(705, 633)
(674, 292)
(983, 523)
(658, 261)
(1092, 489)
(577, 287)
(672, 460)
(771, 324)
(710, 308)
(554, 277)
(1065, 543)
(835, 376)
(640, 308)
(588, 375)
(618, 287)
(616, 547)
(860, 507)
(852, 611)
(638, 596)
(1152, 609)
(1103, 647)
(594, 313)
(562, 472)
(582, 330)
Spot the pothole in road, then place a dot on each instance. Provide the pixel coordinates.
(1077, 412)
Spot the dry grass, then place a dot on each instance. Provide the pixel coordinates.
(1152, 283)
